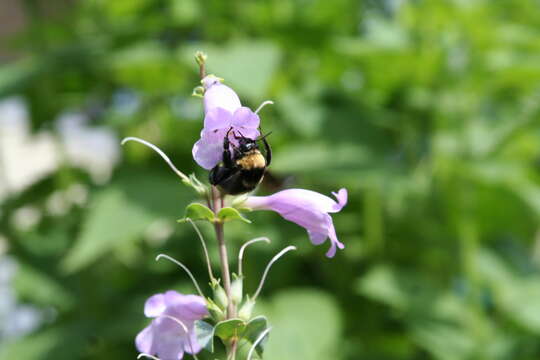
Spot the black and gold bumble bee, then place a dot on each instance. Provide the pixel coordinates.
(243, 170)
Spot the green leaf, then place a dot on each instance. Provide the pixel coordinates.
(204, 333)
(253, 330)
(229, 328)
(315, 337)
(112, 219)
(196, 211)
(229, 214)
(516, 297)
(444, 341)
(41, 288)
(32, 347)
(62, 342)
(382, 284)
(121, 213)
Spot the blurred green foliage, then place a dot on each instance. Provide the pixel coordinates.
(427, 111)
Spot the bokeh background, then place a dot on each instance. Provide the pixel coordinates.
(427, 111)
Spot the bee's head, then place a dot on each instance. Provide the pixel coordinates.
(246, 144)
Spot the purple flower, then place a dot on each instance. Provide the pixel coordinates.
(222, 110)
(308, 209)
(173, 313)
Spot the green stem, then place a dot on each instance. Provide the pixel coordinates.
(224, 259)
(232, 350)
(216, 205)
(223, 256)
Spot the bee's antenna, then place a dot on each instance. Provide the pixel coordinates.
(264, 136)
(238, 137)
(261, 137)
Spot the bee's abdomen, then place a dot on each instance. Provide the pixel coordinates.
(243, 181)
(252, 177)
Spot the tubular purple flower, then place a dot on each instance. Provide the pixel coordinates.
(218, 95)
(173, 313)
(223, 111)
(308, 209)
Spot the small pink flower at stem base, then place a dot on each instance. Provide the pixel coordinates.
(223, 111)
(173, 313)
(308, 209)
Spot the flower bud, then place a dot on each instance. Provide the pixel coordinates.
(200, 58)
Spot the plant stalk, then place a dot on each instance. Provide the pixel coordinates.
(223, 256)
(217, 203)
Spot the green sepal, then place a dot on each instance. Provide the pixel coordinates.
(216, 312)
(238, 201)
(229, 213)
(204, 333)
(254, 329)
(246, 309)
(198, 91)
(237, 289)
(193, 182)
(220, 296)
(196, 211)
(228, 329)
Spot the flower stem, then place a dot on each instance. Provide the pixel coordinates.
(216, 202)
(232, 352)
(223, 256)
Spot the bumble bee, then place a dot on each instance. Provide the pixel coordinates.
(243, 170)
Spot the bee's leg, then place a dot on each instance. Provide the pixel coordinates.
(218, 174)
(227, 158)
(222, 171)
(268, 151)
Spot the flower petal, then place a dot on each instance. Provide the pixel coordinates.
(169, 347)
(341, 197)
(308, 209)
(154, 306)
(169, 338)
(315, 221)
(317, 238)
(334, 242)
(172, 297)
(188, 308)
(208, 150)
(218, 95)
(244, 117)
(217, 118)
(143, 341)
(175, 315)
(246, 132)
(191, 345)
(311, 199)
(301, 198)
(194, 307)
